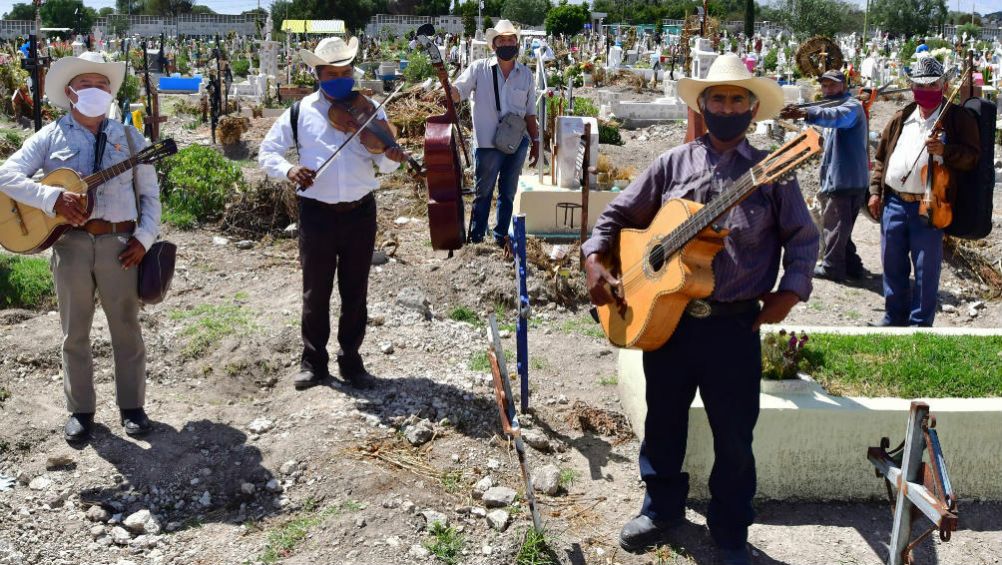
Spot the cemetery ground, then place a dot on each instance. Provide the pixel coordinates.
(241, 468)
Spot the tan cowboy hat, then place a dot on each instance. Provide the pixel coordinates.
(63, 70)
(331, 51)
(729, 69)
(503, 27)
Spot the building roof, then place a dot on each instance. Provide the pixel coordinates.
(314, 26)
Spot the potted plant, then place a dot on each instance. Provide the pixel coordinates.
(783, 364)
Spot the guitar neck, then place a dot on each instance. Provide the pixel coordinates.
(97, 179)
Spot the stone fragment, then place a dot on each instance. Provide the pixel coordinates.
(58, 461)
(498, 497)
(546, 479)
(537, 440)
(432, 516)
(482, 485)
(498, 519)
(136, 522)
(289, 467)
(260, 425)
(419, 433)
(413, 299)
(244, 244)
(247, 488)
(97, 514)
(273, 486)
(120, 535)
(418, 551)
(40, 482)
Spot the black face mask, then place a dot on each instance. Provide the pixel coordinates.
(727, 127)
(506, 52)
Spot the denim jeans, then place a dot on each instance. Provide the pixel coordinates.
(906, 242)
(490, 164)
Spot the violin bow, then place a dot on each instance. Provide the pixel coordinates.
(358, 131)
(443, 77)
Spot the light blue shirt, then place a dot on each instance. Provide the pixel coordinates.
(517, 95)
(66, 144)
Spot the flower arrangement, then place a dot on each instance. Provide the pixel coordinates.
(782, 355)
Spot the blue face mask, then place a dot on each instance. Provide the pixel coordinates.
(338, 88)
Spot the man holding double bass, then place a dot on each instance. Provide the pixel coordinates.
(896, 191)
(337, 212)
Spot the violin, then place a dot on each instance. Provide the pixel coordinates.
(355, 115)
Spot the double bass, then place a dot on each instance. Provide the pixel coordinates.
(444, 172)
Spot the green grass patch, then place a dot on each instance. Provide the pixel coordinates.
(537, 363)
(446, 543)
(181, 219)
(583, 325)
(567, 478)
(4, 395)
(611, 380)
(464, 314)
(479, 362)
(535, 549)
(907, 366)
(452, 481)
(25, 282)
(207, 324)
(282, 541)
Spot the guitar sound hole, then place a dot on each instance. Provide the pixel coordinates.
(656, 258)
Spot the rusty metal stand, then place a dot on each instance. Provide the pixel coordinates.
(902, 469)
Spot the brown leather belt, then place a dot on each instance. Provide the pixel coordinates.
(102, 227)
(906, 196)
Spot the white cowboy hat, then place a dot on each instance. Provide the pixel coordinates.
(331, 51)
(503, 27)
(63, 70)
(728, 69)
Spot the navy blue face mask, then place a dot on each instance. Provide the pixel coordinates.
(338, 88)
(727, 127)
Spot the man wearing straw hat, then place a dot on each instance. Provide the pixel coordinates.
(337, 213)
(99, 256)
(770, 226)
(502, 89)
(896, 189)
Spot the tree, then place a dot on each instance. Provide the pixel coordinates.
(130, 6)
(20, 12)
(819, 17)
(106, 11)
(469, 11)
(433, 7)
(908, 17)
(200, 9)
(749, 18)
(567, 19)
(526, 12)
(488, 23)
(171, 8)
(68, 13)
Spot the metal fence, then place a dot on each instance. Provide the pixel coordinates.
(387, 24)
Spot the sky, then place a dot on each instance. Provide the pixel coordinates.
(237, 6)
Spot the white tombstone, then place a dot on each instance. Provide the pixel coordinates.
(615, 56)
(78, 47)
(569, 130)
(703, 56)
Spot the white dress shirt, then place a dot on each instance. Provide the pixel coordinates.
(517, 94)
(911, 143)
(349, 177)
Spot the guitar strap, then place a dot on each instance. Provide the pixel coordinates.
(101, 141)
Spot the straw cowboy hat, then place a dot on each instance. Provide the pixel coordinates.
(728, 69)
(503, 27)
(65, 69)
(331, 51)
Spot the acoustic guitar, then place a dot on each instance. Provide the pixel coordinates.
(668, 264)
(24, 229)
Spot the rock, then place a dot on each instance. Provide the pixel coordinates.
(120, 536)
(386, 348)
(58, 461)
(949, 309)
(418, 551)
(40, 482)
(537, 440)
(247, 488)
(478, 511)
(98, 531)
(379, 258)
(273, 486)
(493, 464)
(136, 522)
(487, 550)
(431, 516)
(546, 479)
(408, 507)
(562, 399)
(498, 497)
(289, 467)
(498, 519)
(419, 433)
(360, 522)
(205, 499)
(98, 514)
(291, 230)
(55, 500)
(481, 487)
(260, 425)
(218, 240)
(413, 299)
(152, 526)
(144, 542)
(244, 244)
(377, 320)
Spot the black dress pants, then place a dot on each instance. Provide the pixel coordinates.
(335, 239)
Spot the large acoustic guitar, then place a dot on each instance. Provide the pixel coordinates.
(668, 264)
(24, 229)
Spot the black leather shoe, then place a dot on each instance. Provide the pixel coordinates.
(856, 273)
(78, 427)
(359, 378)
(305, 379)
(136, 422)
(823, 273)
(642, 533)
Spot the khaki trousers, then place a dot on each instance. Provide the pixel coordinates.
(83, 264)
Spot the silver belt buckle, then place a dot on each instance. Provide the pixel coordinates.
(698, 308)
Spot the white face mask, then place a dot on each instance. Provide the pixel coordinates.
(92, 102)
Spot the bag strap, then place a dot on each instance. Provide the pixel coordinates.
(294, 121)
(497, 98)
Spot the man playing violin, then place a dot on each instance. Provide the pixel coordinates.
(337, 213)
(716, 350)
(897, 188)
(99, 256)
(499, 86)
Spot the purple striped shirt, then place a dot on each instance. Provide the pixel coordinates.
(773, 222)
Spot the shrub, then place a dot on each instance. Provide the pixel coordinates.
(782, 355)
(129, 91)
(585, 107)
(25, 282)
(771, 60)
(240, 67)
(197, 183)
(608, 133)
(419, 67)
